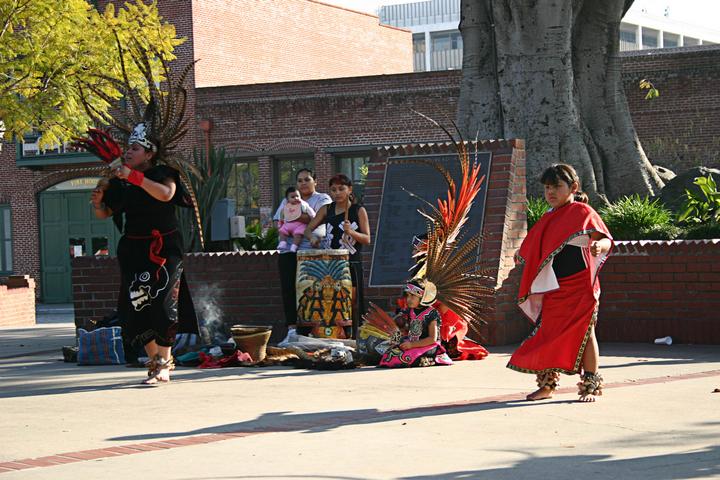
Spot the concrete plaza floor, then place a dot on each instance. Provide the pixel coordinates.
(658, 419)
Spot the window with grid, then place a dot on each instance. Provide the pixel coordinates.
(356, 168)
(650, 38)
(628, 38)
(6, 266)
(446, 52)
(671, 40)
(243, 186)
(419, 52)
(285, 170)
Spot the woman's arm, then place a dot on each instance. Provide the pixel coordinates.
(423, 342)
(599, 244)
(163, 191)
(362, 234)
(314, 223)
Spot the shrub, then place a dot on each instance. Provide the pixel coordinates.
(256, 239)
(635, 218)
(704, 206)
(703, 231)
(536, 207)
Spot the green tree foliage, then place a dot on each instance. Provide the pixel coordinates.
(51, 49)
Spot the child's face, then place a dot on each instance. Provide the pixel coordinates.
(340, 193)
(413, 301)
(293, 197)
(560, 194)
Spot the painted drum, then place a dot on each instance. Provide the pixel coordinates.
(324, 292)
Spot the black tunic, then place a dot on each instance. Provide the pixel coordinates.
(150, 256)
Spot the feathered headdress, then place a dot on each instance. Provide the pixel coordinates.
(155, 120)
(446, 265)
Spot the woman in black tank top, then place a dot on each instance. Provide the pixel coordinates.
(347, 227)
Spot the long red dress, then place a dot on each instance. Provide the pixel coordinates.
(563, 309)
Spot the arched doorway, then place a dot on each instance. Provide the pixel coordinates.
(68, 228)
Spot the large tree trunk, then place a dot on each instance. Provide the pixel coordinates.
(548, 71)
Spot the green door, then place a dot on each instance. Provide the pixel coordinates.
(68, 228)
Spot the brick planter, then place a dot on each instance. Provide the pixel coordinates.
(17, 301)
(651, 289)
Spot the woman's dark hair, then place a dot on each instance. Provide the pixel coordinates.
(340, 179)
(558, 172)
(310, 172)
(289, 190)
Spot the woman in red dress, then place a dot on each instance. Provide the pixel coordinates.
(559, 289)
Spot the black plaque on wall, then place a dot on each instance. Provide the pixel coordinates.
(399, 220)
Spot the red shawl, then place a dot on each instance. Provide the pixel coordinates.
(571, 223)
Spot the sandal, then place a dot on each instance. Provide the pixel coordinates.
(156, 367)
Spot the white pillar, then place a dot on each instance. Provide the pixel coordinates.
(661, 38)
(428, 46)
(639, 37)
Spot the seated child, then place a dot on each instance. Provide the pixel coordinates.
(291, 225)
(422, 346)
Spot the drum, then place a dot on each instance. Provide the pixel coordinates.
(324, 292)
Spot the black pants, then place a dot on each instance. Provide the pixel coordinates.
(287, 265)
(356, 274)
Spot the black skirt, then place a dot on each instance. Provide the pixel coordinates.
(151, 268)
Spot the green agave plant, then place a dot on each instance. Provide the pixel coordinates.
(210, 185)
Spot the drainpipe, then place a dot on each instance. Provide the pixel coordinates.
(206, 126)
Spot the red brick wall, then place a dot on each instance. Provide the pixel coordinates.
(244, 287)
(241, 42)
(311, 116)
(651, 289)
(679, 129)
(17, 301)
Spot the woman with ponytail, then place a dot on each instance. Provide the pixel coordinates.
(559, 290)
(347, 227)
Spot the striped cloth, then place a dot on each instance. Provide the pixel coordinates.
(102, 346)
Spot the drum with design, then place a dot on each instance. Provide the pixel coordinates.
(324, 292)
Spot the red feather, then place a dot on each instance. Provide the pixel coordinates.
(101, 144)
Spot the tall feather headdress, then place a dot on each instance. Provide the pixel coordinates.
(447, 263)
(154, 118)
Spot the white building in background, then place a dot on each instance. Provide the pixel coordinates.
(437, 43)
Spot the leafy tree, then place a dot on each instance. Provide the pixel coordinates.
(51, 51)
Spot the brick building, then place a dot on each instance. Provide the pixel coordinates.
(273, 126)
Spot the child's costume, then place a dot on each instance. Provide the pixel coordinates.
(559, 291)
(418, 321)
